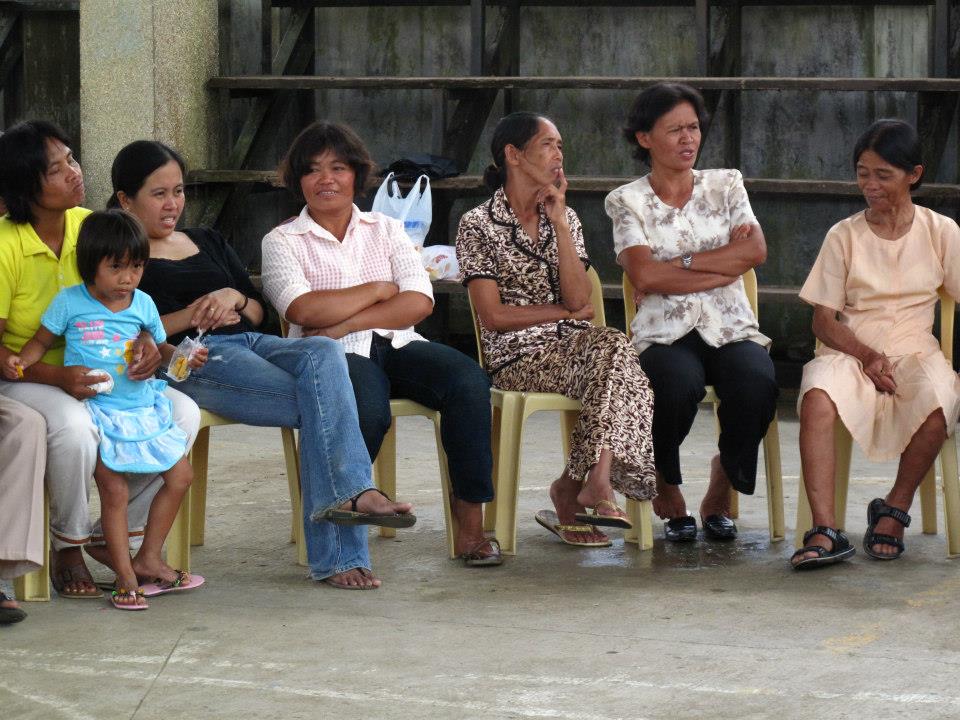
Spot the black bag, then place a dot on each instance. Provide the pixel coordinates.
(411, 167)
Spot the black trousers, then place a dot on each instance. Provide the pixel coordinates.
(742, 376)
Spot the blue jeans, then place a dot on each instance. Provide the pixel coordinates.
(303, 383)
(440, 378)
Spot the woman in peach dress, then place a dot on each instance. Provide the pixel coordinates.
(874, 290)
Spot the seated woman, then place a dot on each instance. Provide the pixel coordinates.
(355, 277)
(524, 263)
(198, 282)
(879, 368)
(42, 187)
(23, 452)
(684, 237)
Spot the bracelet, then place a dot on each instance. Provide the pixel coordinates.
(246, 300)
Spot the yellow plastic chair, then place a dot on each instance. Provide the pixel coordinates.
(771, 442)
(843, 444)
(510, 412)
(35, 586)
(190, 524)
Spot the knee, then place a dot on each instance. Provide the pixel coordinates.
(113, 490)
(374, 415)
(31, 423)
(180, 477)
(935, 426)
(473, 384)
(817, 410)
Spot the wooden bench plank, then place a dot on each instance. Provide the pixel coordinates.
(595, 3)
(602, 184)
(273, 83)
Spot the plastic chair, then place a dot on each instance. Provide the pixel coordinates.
(771, 442)
(35, 586)
(190, 524)
(510, 412)
(843, 444)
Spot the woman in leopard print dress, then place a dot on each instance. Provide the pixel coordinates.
(523, 261)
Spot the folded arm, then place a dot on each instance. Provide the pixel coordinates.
(649, 275)
(325, 308)
(747, 249)
(494, 315)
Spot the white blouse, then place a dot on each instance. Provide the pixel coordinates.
(719, 202)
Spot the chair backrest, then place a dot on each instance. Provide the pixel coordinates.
(948, 309)
(630, 308)
(596, 299)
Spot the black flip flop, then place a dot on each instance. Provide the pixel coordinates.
(719, 527)
(841, 550)
(9, 616)
(680, 529)
(353, 517)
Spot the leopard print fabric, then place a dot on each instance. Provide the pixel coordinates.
(599, 367)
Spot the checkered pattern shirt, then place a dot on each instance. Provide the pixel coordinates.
(300, 256)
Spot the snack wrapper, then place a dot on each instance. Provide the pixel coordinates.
(178, 369)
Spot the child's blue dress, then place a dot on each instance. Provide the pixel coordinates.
(137, 432)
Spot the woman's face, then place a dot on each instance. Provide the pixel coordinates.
(541, 158)
(62, 184)
(674, 140)
(328, 187)
(159, 202)
(884, 186)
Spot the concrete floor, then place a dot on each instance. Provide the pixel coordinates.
(705, 630)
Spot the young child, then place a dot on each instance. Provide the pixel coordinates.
(100, 319)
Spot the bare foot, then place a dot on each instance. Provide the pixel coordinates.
(563, 493)
(8, 602)
(154, 569)
(717, 499)
(70, 574)
(470, 535)
(373, 503)
(669, 502)
(356, 578)
(595, 493)
(100, 554)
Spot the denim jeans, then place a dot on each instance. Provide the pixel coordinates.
(440, 378)
(303, 383)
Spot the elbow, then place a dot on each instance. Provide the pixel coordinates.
(759, 256)
(423, 309)
(296, 314)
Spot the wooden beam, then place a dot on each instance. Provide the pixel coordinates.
(260, 84)
(935, 112)
(595, 3)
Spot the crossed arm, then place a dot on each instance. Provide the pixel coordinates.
(380, 304)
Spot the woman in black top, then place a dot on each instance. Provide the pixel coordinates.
(199, 283)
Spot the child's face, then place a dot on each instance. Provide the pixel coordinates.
(117, 279)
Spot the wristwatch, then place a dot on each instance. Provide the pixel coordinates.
(686, 260)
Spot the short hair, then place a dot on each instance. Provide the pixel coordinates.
(23, 165)
(109, 234)
(652, 104)
(515, 129)
(317, 139)
(896, 142)
(135, 163)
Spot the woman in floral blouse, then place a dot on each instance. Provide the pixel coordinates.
(685, 237)
(524, 264)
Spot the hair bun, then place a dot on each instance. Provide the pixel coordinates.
(493, 177)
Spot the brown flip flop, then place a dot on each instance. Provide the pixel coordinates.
(474, 558)
(549, 520)
(63, 576)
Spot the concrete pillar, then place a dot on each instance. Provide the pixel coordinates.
(143, 71)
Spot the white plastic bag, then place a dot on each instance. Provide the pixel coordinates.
(415, 210)
(440, 262)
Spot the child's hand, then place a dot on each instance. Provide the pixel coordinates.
(13, 368)
(198, 358)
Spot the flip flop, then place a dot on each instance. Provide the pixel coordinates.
(8, 616)
(353, 517)
(473, 557)
(60, 577)
(549, 520)
(345, 586)
(162, 587)
(596, 518)
(122, 592)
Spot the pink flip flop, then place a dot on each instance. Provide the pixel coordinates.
(124, 593)
(162, 587)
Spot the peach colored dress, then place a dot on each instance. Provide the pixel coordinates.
(886, 292)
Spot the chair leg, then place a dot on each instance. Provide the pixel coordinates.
(490, 510)
(928, 501)
(843, 445)
(774, 472)
(804, 514)
(641, 515)
(291, 458)
(734, 503)
(568, 421)
(507, 462)
(386, 470)
(35, 586)
(450, 520)
(951, 494)
(199, 456)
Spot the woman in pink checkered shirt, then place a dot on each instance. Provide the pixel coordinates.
(355, 276)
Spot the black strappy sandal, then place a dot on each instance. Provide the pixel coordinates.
(877, 509)
(841, 550)
(354, 517)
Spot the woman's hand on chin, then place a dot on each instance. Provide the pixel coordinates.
(553, 198)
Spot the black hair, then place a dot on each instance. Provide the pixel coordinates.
(317, 139)
(109, 234)
(135, 163)
(652, 104)
(515, 129)
(896, 142)
(23, 165)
